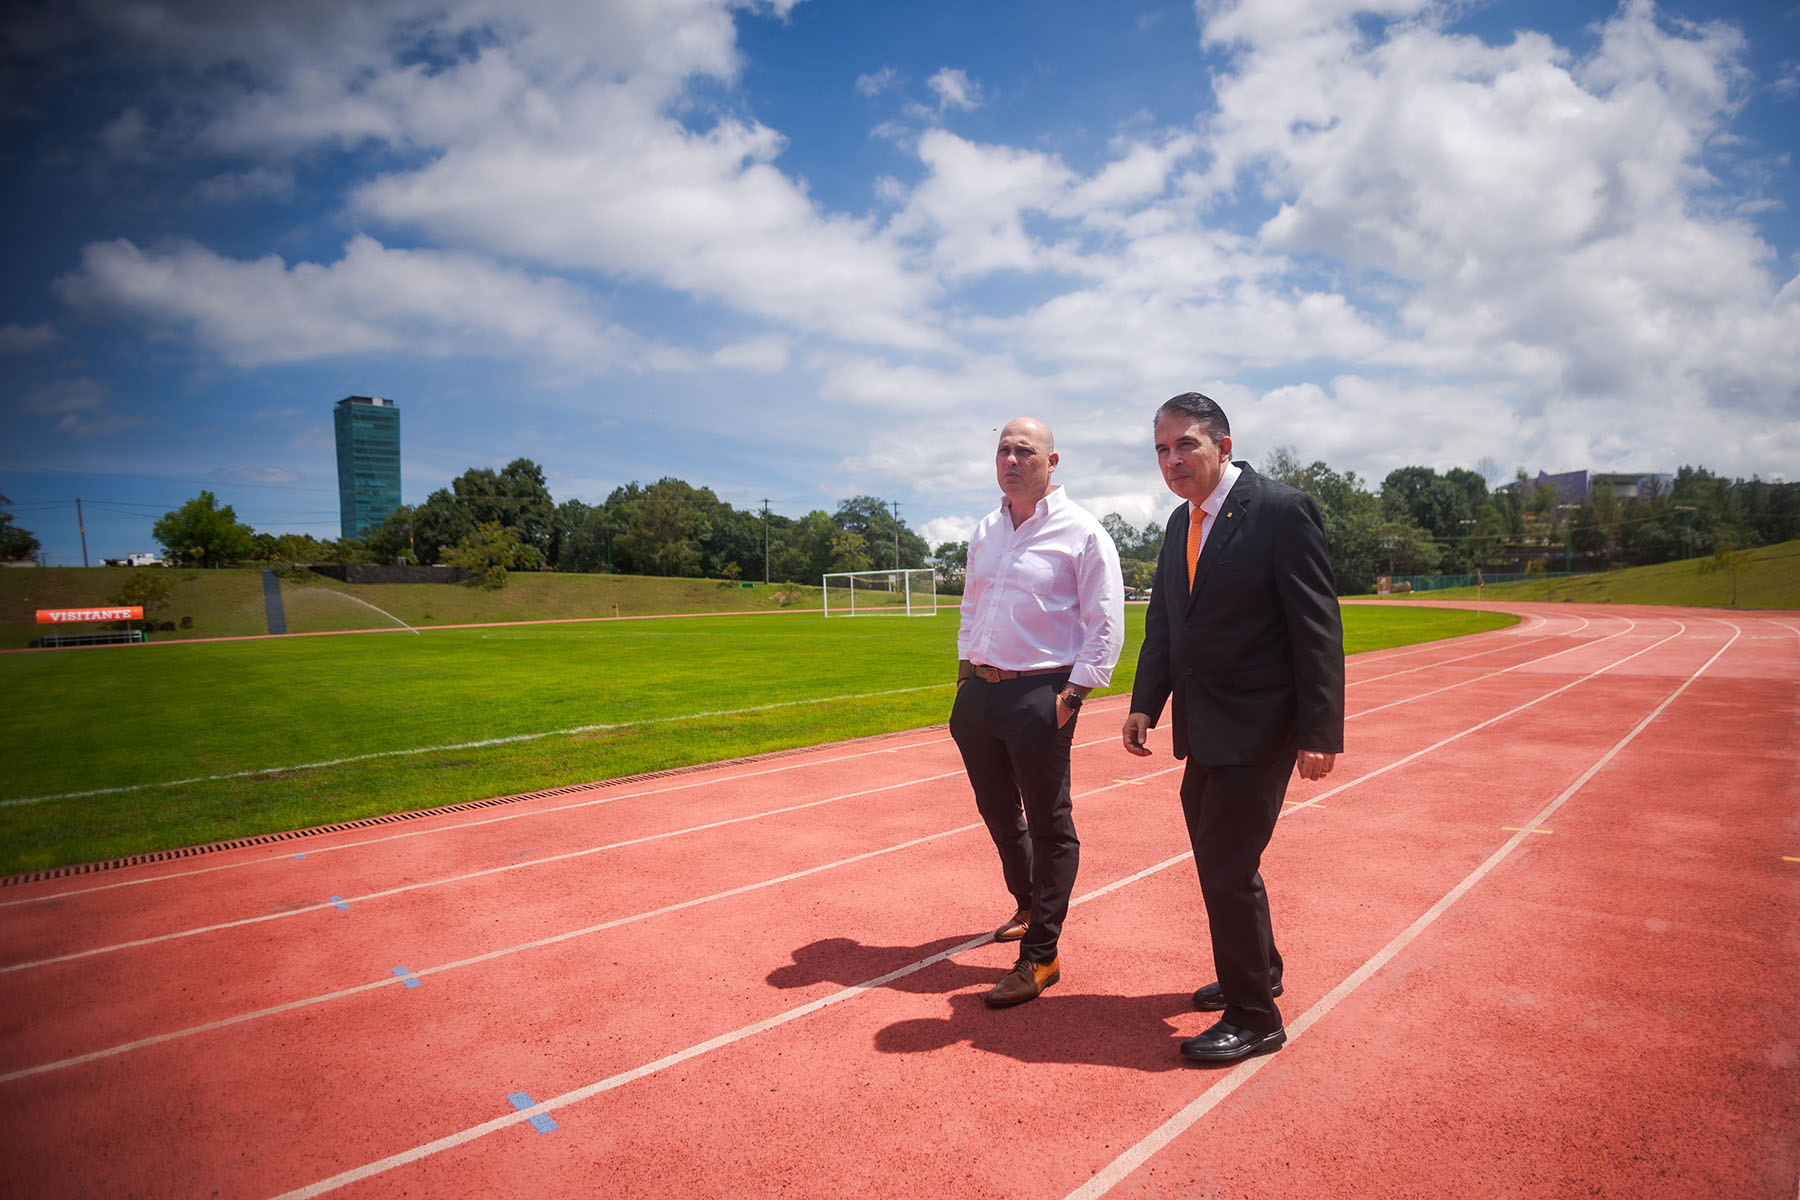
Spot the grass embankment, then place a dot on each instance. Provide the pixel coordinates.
(199, 743)
(1769, 578)
(229, 603)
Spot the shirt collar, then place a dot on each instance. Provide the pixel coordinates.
(1051, 499)
(1215, 499)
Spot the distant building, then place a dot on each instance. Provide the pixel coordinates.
(1574, 487)
(368, 456)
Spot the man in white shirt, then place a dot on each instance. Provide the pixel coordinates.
(1043, 622)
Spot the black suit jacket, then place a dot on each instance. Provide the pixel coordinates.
(1253, 654)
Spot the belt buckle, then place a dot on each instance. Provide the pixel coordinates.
(991, 674)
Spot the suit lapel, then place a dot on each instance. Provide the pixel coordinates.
(1225, 527)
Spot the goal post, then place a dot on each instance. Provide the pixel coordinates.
(908, 592)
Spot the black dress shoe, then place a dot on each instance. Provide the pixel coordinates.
(1212, 999)
(1225, 1043)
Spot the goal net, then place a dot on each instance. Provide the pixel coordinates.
(911, 592)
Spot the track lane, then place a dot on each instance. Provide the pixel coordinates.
(1108, 949)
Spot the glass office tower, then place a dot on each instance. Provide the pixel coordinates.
(368, 455)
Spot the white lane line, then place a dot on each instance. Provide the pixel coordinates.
(1529, 662)
(420, 885)
(477, 745)
(556, 939)
(588, 1091)
(443, 881)
(703, 780)
(430, 883)
(1510, 645)
(286, 853)
(1114, 1172)
(464, 1136)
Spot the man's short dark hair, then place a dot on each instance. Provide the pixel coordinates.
(1203, 409)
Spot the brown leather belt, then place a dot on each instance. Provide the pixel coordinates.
(996, 674)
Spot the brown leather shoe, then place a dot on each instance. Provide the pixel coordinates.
(1023, 983)
(1014, 929)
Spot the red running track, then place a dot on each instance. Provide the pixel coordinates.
(1540, 928)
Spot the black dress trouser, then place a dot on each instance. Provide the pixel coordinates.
(1231, 813)
(1018, 765)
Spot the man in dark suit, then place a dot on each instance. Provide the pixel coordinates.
(1243, 630)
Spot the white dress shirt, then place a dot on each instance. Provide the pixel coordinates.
(1045, 594)
(1215, 500)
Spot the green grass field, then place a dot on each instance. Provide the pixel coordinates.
(177, 745)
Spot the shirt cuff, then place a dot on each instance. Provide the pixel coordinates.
(1083, 675)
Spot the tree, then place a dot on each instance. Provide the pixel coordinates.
(1728, 558)
(1436, 503)
(870, 517)
(202, 534)
(849, 552)
(583, 537)
(490, 550)
(514, 497)
(15, 544)
(150, 589)
(438, 524)
(391, 541)
(801, 552)
(1125, 539)
(662, 527)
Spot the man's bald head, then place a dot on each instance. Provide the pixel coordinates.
(1023, 462)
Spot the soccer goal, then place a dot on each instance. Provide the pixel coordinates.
(911, 592)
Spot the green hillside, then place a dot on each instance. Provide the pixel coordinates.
(229, 603)
(1769, 577)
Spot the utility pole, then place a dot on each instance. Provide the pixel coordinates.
(765, 541)
(83, 528)
(896, 535)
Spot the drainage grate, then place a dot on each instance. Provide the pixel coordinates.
(156, 856)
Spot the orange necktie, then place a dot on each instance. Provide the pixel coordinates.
(1196, 530)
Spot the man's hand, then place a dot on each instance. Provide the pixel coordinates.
(1314, 764)
(1137, 734)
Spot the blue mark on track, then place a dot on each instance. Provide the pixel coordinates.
(407, 977)
(299, 856)
(342, 904)
(542, 1122)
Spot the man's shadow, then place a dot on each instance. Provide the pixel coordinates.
(847, 962)
(1058, 1026)
(1111, 1031)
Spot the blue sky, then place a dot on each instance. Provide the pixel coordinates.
(808, 249)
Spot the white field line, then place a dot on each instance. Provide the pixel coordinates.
(588, 1091)
(556, 939)
(422, 884)
(441, 881)
(287, 853)
(1106, 705)
(476, 745)
(1114, 1172)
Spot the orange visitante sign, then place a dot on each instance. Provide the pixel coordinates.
(62, 616)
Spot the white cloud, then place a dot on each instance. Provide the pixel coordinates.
(254, 313)
(877, 82)
(254, 184)
(955, 89)
(66, 396)
(763, 355)
(26, 339)
(256, 475)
